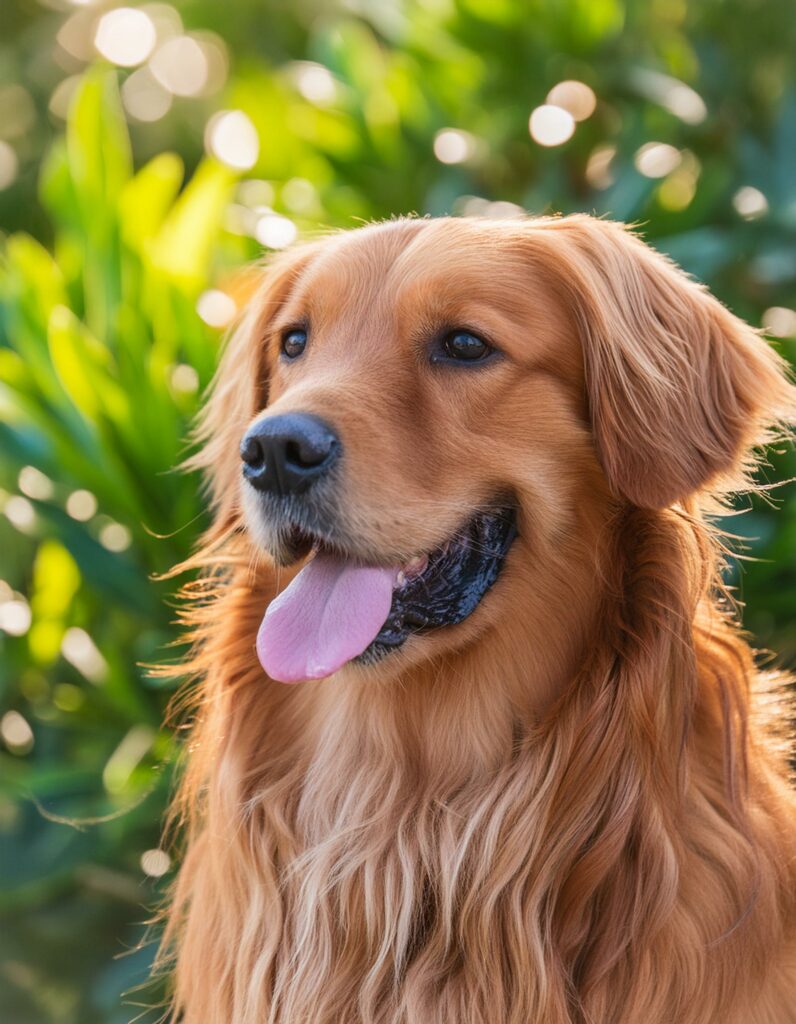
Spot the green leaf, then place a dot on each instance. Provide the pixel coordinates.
(56, 579)
(82, 364)
(56, 187)
(100, 160)
(146, 199)
(183, 247)
(100, 164)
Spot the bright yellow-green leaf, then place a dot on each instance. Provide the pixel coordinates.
(594, 19)
(146, 199)
(56, 187)
(66, 351)
(328, 131)
(44, 641)
(99, 165)
(97, 141)
(13, 370)
(82, 364)
(183, 247)
(496, 12)
(56, 579)
(32, 269)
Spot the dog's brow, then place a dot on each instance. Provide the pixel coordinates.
(284, 320)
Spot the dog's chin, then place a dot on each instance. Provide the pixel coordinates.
(285, 531)
(433, 589)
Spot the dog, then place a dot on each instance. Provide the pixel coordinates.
(463, 474)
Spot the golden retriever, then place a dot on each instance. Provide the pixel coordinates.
(461, 473)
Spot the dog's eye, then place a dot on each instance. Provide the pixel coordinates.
(294, 342)
(464, 346)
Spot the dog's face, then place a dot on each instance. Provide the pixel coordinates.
(426, 407)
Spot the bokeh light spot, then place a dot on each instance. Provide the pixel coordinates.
(126, 758)
(315, 82)
(216, 308)
(125, 36)
(504, 210)
(115, 537)
(477, 206)
(657, 159)
(274, 231)
(34, 483)
(550, 125)
(779, 322)
(452, 146)
(671, 94)
(471, 206)
(299, 195)
(20, 513)
(239, 220)
(144, 98)
(677, 191)
(180, 66)
(16, 732)
(76, 36)
(155, 863)
(15, 616)
(165, 18)
(575, 97)
(81, 505)
(256, 192)
(750, 203)
(83, 654)
(599, 169)
(216, 57)
(682, 101)
(184, 379)
(232, 138)
(9, 165)
(61, 98)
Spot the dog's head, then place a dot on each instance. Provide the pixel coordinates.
(415, 406)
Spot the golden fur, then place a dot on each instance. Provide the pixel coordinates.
(573, 807)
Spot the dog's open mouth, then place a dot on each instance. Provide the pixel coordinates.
(336, 610)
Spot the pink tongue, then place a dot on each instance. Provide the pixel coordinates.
(328, 615)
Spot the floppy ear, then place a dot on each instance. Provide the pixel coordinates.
(679, 389)
(240, 386)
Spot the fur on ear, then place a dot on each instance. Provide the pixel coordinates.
(679, 389)
(240, 387)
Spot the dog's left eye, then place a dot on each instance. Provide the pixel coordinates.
(464, 346)
(294, 342)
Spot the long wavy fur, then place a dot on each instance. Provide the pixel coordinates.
(431, 850)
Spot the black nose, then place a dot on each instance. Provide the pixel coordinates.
(287, 454)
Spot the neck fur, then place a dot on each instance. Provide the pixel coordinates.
(453, 846)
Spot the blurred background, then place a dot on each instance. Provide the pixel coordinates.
(147, 152)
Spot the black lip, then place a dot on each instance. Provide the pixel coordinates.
(451, 587)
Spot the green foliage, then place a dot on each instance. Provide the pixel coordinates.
(91, 341)
(103, 357)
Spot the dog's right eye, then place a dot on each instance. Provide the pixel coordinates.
(462, 346)
(294, 342)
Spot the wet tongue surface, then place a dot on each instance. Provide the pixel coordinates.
(328, 615)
